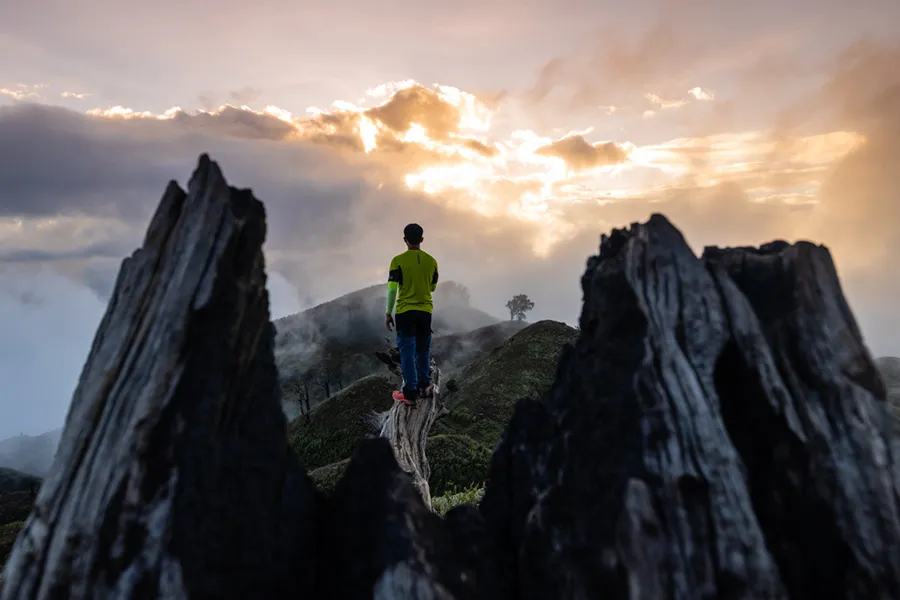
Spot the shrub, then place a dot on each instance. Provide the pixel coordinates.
(457, 462)
(443, 504)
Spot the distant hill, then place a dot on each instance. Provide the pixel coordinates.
(334, 426)
(32, 454)
(459, 349)
(358, 318)
(480, 405)
(16, 481)
(481, 395)
(324, 349)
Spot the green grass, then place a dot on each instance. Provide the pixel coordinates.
(336, 425)
(481, 399)
(457, 462)
(326, 478)
(443, 504)
(486, 391)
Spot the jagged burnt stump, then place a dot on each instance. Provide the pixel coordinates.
(174, 477)
(718, 431)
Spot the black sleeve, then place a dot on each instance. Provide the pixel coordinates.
(434, 278)
(395, 275)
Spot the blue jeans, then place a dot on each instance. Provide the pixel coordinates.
(414, 344)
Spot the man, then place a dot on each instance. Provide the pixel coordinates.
(412, 278)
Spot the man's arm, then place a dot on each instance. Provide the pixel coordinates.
(395, 279)
(434, 278)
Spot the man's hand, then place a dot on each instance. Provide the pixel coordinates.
(389, 322)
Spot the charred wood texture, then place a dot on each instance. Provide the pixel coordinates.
(719, 430)
(173, 476)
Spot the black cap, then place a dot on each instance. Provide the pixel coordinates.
(413, 233)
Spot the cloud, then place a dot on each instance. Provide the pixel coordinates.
(73, 96)
(665, 104)
(580, 155)
(701, 94)
(504, 212)
(22, 91)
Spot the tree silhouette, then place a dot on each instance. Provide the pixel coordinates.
(518, 306)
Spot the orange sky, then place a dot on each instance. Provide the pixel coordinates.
(516, 133)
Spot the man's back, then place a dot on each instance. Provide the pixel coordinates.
(416, 273)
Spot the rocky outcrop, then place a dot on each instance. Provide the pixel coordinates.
(718, 430)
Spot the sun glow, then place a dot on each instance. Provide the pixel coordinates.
(438, 140)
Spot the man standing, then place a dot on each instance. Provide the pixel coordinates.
(412, 278)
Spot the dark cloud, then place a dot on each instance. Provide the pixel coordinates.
(235, 122)
(246, 95)
(50, 164)
(581, 155)
(104, 249)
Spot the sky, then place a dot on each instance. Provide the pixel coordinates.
(516, 133)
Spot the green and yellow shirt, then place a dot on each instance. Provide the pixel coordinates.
(412, 278)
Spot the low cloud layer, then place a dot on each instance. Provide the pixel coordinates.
(506, 209)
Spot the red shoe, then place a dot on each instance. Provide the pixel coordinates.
(399, 397)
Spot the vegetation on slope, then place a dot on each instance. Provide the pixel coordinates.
(480, 404)
(326, 478)
(482, 395)
(459, 349)
(443, 504)
(457, 462)
(17, 493)
(323, 349)
(334, 426)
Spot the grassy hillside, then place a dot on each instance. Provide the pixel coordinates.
(480, 403)
(335, 425)
(323, 349)
(16, 481)
(456, 350)
(482, 395)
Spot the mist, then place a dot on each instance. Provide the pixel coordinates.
(79, 190)
(48, 322)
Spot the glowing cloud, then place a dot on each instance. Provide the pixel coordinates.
(664, 104)
(437, 140)
(701, 94)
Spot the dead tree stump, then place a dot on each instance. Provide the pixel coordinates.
(173, 477)
(407, 428)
